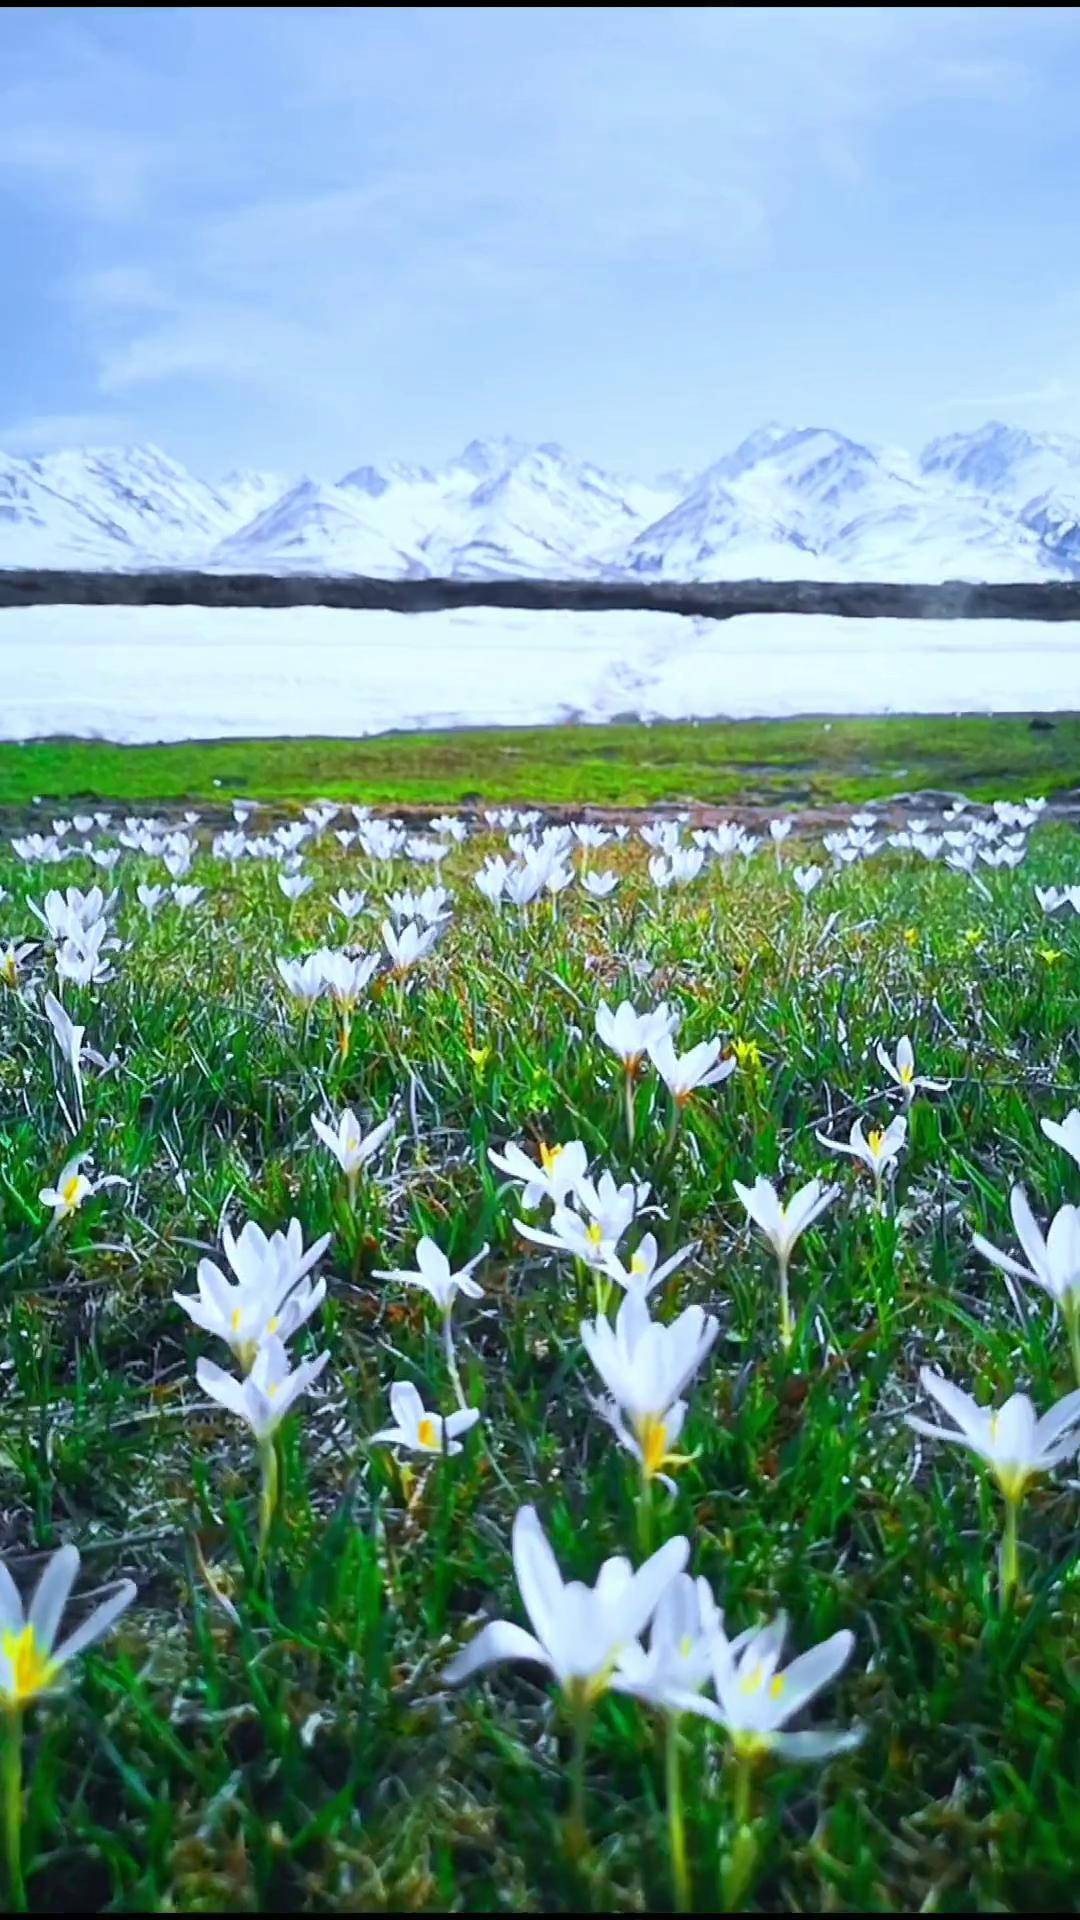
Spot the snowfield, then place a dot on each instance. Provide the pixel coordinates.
(176, 673)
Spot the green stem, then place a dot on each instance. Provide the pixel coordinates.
(628, 1097)
(577, 1833)
(680, 1875)
(1009, 1557)
(787, 1328)
(741, 1862)
(268, 1491)
(451, 1360)
(13, 1728)
(645, 1515)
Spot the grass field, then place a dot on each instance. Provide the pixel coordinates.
(778, 763)
(270, 1730)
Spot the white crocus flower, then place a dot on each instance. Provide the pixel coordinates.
(302, 979)
(683, 1073)
(569, 1233)
(1065, 1133)
(1012, 1441)
(295, 885)
(902, 1071)
(420, 1431)
(600, 885)
(645, 1366)
(69, 1039)
(646, 1271)
(559, 1173)
(433, 1272)
(350, 1146)
(630, 1034)
(186, 897)
(269, 1391)
(1054, 1263)
(349, 905)
(755, 1697)
(246, 1317)
(806, 879)
(578, 1631)
(678, 1659)
(877, 1150)
(11, 960)
(72, 1188)
(407, 947)
(149, 898)
(30, 1661)
(783, 1226)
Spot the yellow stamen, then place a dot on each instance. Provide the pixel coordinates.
(637, 1264)
(753, 1681)
(652, 1439)
(907, 1074)
(594, 1233)
(874, 1139)
(426, 1432)
(236, 1320)
(548, 1156)
(69, 1192)
(31, 1669)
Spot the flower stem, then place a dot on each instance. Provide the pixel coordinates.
(451, 1360)
(12, 1735)
(645, 1515)
(1009, 1557)
(628, 1096)
(577, 1833)
(741, 1862)
(268, 1491)
(680, 1876)
(787, 1328)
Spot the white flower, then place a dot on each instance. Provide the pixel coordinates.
(600, 885)
(680, 1651)
(1054, 1262)
(784, 1225)
(643, 1275)
(682, 1073)
(346, 976)
(30, 1661)
(779, 829)
(186, 897)
(420, 1431)
(411, 945)
(272, 1297)
(1013, 1442)
(561, 1169)
(268, 1393)
(11, 959)
(579, 1631)
(806, 879)
(294, 885)
(876, 1150)
(630, 1034)
(303, 979)
(902, 1071)
(1065, 1133)
(351, 1148)
(349, 905)
(755, 1698)
(433, 1273)
(645, 1366)
(73, 1187)
(149, 898)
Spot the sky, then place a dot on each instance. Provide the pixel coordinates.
(306, 240)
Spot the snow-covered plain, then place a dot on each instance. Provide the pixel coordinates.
(176, 673)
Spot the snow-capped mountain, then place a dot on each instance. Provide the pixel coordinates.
(787, 502)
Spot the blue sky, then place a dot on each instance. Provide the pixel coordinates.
(306, 240)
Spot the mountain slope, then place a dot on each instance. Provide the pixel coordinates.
(996, 503)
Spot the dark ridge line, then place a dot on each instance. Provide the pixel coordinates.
(721, 600)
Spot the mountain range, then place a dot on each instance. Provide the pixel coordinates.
(999, 503)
